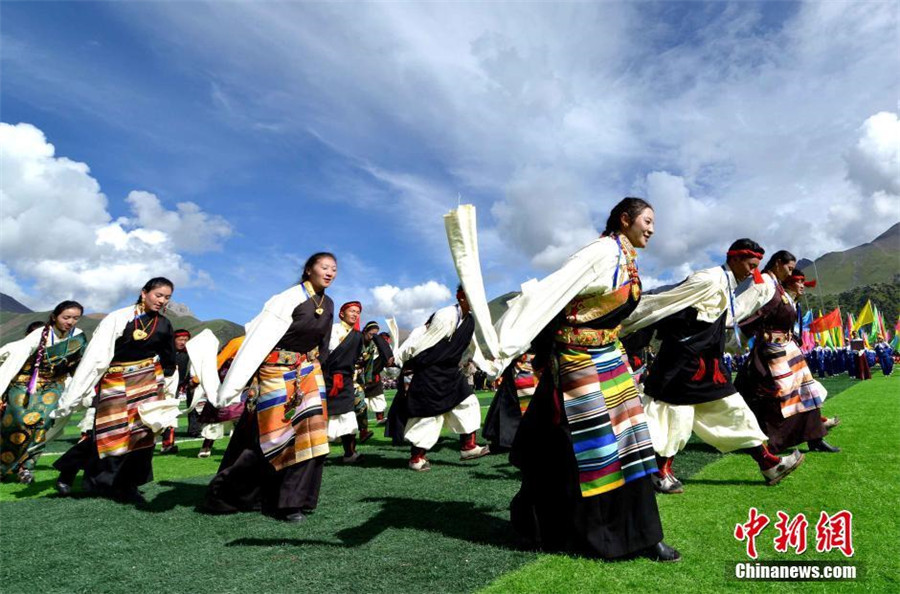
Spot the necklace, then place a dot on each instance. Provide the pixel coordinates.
(141, 333)
(312, 295)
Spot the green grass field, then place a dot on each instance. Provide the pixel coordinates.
(381, 528)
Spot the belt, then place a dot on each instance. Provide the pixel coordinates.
(586, 336)
(124, 366)
(289, 358)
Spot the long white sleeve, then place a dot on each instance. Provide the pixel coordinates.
(705, 290)
(462, 234)
(14, 356)
(591, 269)
(751, 296)
(96, 359)
(203, 350)
(263, 333)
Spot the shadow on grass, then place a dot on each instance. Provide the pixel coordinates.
(179, 495)
(459, 520)
(745, 483)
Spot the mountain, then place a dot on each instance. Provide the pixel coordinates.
(9, 304)
(870, 263)
(13, 325)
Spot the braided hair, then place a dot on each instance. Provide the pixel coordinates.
(42, 345)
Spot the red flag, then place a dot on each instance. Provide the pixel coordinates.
(826, 322)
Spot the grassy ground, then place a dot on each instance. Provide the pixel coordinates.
(382, 528)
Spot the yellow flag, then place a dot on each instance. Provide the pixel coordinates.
(866, 316)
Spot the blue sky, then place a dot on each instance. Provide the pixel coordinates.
(222, 143)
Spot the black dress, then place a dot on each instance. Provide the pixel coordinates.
(246, 480)
(549, 511)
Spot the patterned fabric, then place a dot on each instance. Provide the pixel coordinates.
(288, 397)
(525, 382)
(118, 426)
(27, 417)
(605, 417)
(794, 385)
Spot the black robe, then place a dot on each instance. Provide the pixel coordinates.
(438, 384)
(342, 361)
(689, 368)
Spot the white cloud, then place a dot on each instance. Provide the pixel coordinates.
(544, 217)
(190, 229)
(411, 305)
(56, 231)
(874, 163)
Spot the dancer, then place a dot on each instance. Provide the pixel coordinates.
(438, 393)
(583, 445)
(32, 378)
(686, 390)
(132, 356)
(377, 355)
(796, 285)
(185, 388)
(345, 350)
(275, 457)
(775, 381)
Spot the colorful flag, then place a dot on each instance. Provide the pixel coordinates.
(827, 322)
(866, 316)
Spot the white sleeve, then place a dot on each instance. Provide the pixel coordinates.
(462, 234)
(750, 296)
(203, 350)
(698, 287)
(96, 359)
(14, 356)
(443, 324)
(540, 301)
(263, 333)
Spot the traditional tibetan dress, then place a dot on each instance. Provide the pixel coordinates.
(276, 454)
(339, 370)
(583, 445)
(438, 393)
(31, 396)
(117, 458)
(509, 404)
(375, 356)
(775, 381)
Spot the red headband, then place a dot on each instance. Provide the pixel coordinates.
(801, 278)
(182, 333)
(348, 305)
(743, 254)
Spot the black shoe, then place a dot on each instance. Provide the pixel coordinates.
(661, 552)
(295, 517)
(64, 489)
(25, 477)
(172, 449)
(820, 445)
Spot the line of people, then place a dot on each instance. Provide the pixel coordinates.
(593, 445)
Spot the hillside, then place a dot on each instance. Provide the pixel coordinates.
(870, 263)
(9, 304)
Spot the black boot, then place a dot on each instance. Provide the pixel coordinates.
(820, 445)
(661, 552)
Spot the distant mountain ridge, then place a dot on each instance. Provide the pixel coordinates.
(9, 304)
(870, 263)
(13, 323)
